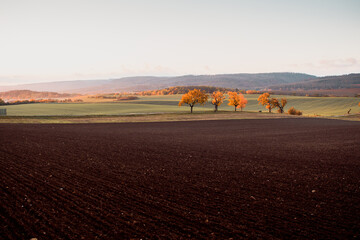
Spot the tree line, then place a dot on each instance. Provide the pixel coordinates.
(185, 89)
(17, 102)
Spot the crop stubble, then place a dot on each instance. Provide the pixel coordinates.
(275, 178)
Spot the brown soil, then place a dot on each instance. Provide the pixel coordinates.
(267, 179)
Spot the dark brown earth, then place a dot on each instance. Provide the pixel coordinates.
(278, 178)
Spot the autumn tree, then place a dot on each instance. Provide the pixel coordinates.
(265, 100)
(252, 92)
(279, 104)
(237, 100)
(217, 98)
(2, 102)
(243, 102)
(194, 97)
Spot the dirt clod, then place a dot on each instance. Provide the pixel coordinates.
(245, 179)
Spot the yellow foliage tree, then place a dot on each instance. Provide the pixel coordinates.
(194, 97)
(279, 104)
(237, 100)
(217, 99)
(265, 100)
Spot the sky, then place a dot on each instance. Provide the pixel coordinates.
(53, 40)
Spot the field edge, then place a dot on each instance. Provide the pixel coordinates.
(159, 117)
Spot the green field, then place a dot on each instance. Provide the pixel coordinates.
(321, 106)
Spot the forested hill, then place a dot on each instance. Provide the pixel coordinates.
(260, 81)
(331, 82)
(27, 94)
(241, 81)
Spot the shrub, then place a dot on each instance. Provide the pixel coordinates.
(293, 111)
(127, 98)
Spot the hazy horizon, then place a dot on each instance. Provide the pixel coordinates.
(90, 40)
(114, 78)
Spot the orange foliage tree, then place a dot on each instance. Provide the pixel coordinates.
(279, 104)
(270, 103)
(217, 99)
(194, 97)
(265, 100)
(252, 92)
(237, 100)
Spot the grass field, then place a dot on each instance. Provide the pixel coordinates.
(324, 106)
(164, 117)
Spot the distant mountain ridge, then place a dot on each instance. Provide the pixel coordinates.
(255, 81)
(27, 94)
(330, 82)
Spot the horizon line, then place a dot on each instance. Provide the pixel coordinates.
(164, 76)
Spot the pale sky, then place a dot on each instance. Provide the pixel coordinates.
(51, 40)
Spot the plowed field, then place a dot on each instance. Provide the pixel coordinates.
(275, 178)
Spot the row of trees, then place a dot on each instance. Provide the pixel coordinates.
(271, 103)
(198, 96)
(185, 89)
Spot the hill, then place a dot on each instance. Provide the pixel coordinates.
(60, 87)
(344, 85)
(27, 94)
(331, 82)
(241, 81)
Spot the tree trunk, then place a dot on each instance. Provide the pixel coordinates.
(191, 107)
(216, 108)
(235, 108)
